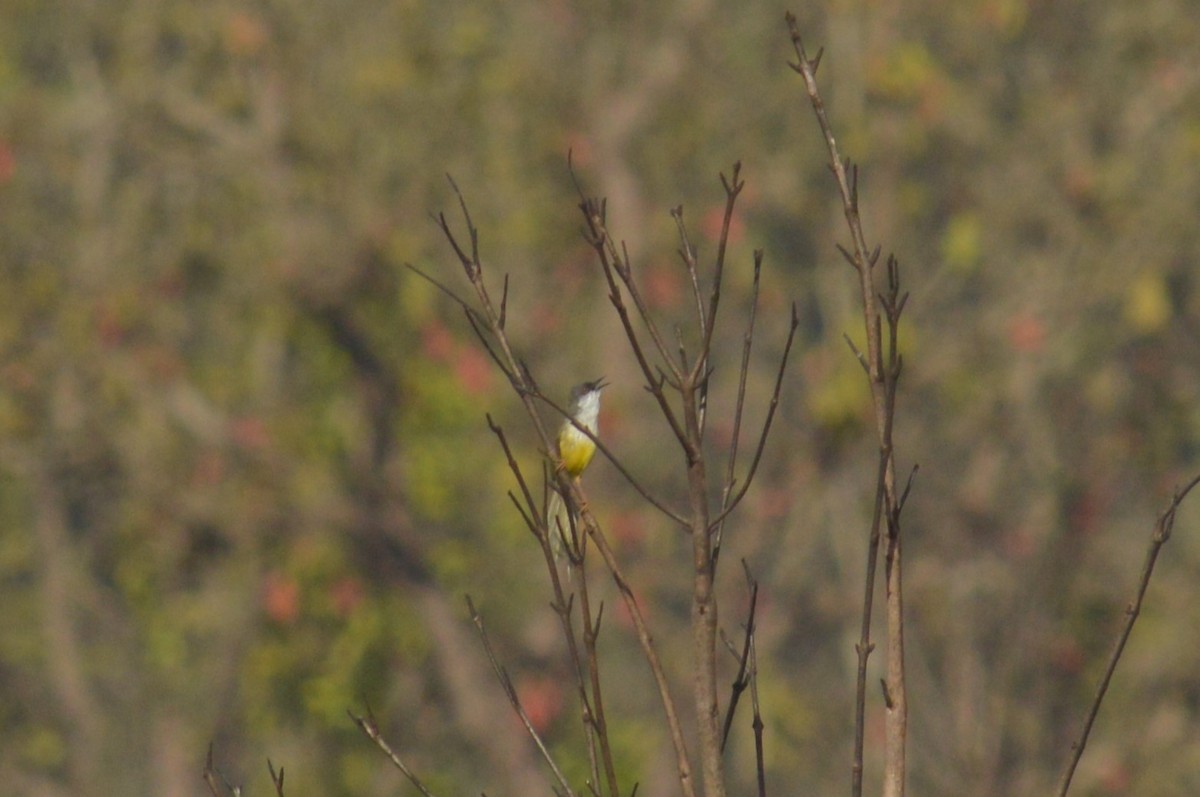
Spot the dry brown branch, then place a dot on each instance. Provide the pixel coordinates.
(760, 766)
(739, 406)
(688, 255)
(593, 703)
(731, 504)
(704, 611)
(276, 778)
(691, 382)
(587, 679)
(733, 187)
(531, 504)
(610, 264)
(883, 372)
(686, 374)
(705, 622)
(742, 680)
(369, 727)
(613, 460)
(1162, 533)
(486, 320)
(511, 692)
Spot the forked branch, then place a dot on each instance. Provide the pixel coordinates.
(487, 320)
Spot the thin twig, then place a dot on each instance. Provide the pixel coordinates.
(614, 262)
(760, 766)
(595, 706)
(536, 519)
(1162, 533)
(649, 650)
(276, 778)
(707, 320)
(511, 692)
(733, 187)
(896, 713)
(739, 406)
(688, 255)
(369, 727)
(454, 297)
(513, 467)
(477, 328)
(741, 681)
(766, 427)
(599, 240)
(612, 458)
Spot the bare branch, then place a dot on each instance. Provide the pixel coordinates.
(475, 267)
(1162, 533)
(614, 262)
(907, 486)
(594, 709)
(848, 257)
(688, 255)
(743, 375)
(369, 727)
(595, 730)
(733, 187)
(468, 309)
(530, 502)
(887, 505)
(760, 766)
(858, 355)
(487, 346)
(598, 238)
(503, 304)
(766, 428)
(649, 650)
(511, 692)
(528, 392)
(276, 778)
(847, 184)
(612, 458)
(742, 680)
(681, 347)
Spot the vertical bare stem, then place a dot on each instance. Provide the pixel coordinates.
(691, 382)
(646, 641)
(882, 378)
(760, 766)
(704, 607)
(591, 705)
(595, 705)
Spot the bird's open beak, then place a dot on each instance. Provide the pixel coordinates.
(599, 384)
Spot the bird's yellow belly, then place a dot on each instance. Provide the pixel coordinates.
(576, 450)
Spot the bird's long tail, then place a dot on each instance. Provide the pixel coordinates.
(559, 524)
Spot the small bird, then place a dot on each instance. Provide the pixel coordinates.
(576, 450)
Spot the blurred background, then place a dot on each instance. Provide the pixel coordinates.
(245, 476)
